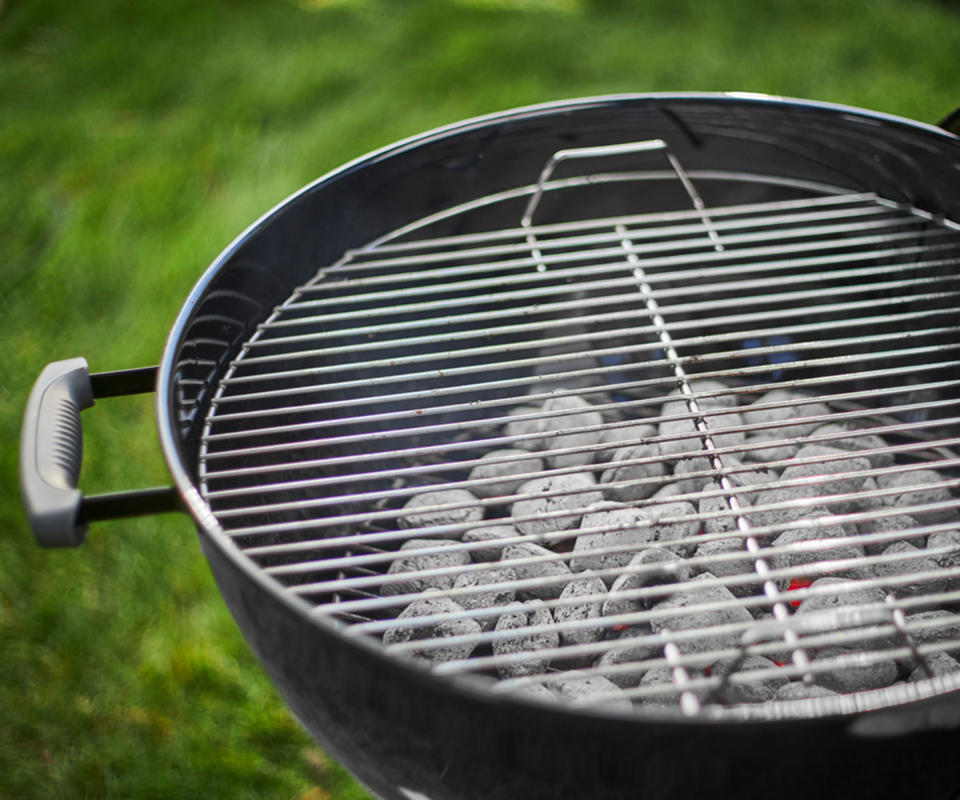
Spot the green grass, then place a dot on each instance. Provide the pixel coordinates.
(136, 140)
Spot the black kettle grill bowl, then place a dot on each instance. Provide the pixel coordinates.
(406, 733)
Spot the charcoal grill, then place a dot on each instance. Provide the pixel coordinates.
(520, 293)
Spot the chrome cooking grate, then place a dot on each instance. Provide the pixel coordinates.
(751, 387)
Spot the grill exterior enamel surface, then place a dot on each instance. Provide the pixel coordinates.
(747, 341)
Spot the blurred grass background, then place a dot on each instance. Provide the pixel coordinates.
(136, 140)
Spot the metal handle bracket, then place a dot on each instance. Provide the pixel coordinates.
(623, 148)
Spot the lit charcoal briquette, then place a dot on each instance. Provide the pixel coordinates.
(548, 567)
(448, 628)
(733, 469)
(831, 477)
(494, 468)
(749, 691)
(527, 429)
(567, 493)
(722, 608)
(911, 562)
(855, 442)
(936, 626)
(743, 566)
(675, 526)
(715, 511)
(623, 531)
(798, 690)
(778, 449)
(713, 394)
(660, 677)
(542, 635)
(792, 409)
(867, 502)
(830, 594)
(559, 431)
(788, 504)
(625, 662)
(488, 594)
(625, 436)
(410, 560)
(920, 487)
(947, 561)
(489, 536)
(593, 591)
(938, 663)
(722, 428)
(883, 525)
(797, 556)
(693, 474)
(652, 566)
(641, 479)
(667, 491)
(466, 509)
(534, 691)
(836, 602)
(858, 672)
(591, 690)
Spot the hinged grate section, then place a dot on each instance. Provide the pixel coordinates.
(703, 459)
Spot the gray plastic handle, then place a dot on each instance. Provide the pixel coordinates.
(51, 448)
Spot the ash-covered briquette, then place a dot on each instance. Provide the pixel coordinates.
(526, 430)
(488, 594)
(562, 432)
(831, 475)
(696, 473)
(591, 690)
(753, 690)
(625, 530)
(949, 559)
(920, 487)
(683, 435)
(623, 436)
(503, 464)
(546, 567)
(704, 590)
(554, 495)
(543, 635)
(791, 408)
(661, 677)
(936, 626)
(857, 671)
(551, 433)
(886, 525)
(640, 480)
(853, 610)
(855, 441)
(455, 507)
(593, 591)
(456, 625)
(798, 690)
(741, 564)
(623, 665)
(490, 537)
(411, 560)
(937, 663)
(777, 448)
(652, 566)
(902, 560)
(640, 539)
